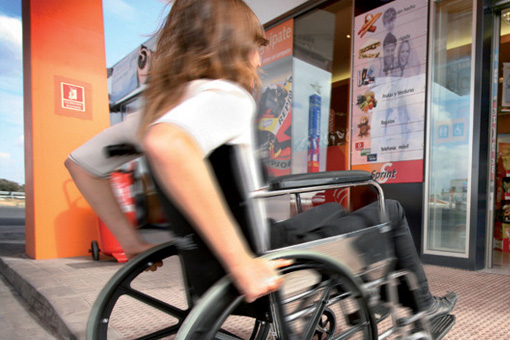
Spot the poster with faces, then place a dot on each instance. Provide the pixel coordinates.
(388, 76)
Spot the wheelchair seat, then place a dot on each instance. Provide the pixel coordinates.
(339, 287)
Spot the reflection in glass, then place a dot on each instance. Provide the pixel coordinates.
(450, 119)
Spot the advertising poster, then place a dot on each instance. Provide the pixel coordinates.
(274, 109)
(388, 103)
(131, 72)
(312, 96)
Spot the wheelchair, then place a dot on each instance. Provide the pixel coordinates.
(336, 288)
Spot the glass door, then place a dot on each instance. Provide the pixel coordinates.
(449, 129)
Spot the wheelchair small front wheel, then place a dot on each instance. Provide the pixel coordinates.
(326, 326)
(317, 301)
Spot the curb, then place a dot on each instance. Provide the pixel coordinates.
(37, 302)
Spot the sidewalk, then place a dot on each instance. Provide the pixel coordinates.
(61, 292)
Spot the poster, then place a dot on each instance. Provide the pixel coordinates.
(274, 109)
(388, 103)
(131, 71)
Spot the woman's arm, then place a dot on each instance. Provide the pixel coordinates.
(179, 165)
(99, 194)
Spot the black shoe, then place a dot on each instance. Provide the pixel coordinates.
(442, 305)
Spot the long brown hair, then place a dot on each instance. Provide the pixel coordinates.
(201, 39)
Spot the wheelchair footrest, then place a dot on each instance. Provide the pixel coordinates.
(440, 326)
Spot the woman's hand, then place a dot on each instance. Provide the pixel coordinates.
(257, 277)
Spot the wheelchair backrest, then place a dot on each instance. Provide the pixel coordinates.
(202, 269)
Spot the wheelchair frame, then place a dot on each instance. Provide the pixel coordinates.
(364, 279)
(196, 326)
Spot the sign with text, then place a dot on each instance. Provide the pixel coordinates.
(280, 43)
(73, 98)
(274, 108)
(388, 103)
(394, 172)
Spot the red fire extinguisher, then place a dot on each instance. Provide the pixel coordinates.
(122, 184)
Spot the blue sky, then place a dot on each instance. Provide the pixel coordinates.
(128, 23)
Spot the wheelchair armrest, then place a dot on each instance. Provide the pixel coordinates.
(347, 177)
(317, 181)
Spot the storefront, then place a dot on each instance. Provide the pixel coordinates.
(413, 91)
(434, 128)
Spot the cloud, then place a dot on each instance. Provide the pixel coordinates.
(4, 155)
(10, 47)
(120, 9)
(10, 30)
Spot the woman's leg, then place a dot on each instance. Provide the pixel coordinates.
(290, 232)
(407, 256)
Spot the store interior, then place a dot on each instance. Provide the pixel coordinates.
(501, 244)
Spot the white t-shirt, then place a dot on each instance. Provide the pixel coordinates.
(214, 112)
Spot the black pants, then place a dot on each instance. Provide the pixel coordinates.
(331, 219)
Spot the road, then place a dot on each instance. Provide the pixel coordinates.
(17, 322)
(12, 215)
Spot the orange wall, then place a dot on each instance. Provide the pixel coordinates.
(63, 41)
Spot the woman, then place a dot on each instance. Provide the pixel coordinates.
(188, 115)
(197, 99)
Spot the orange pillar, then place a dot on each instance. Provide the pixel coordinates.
(66, 102)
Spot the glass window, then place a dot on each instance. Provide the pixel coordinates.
(303, 106)
(303, 109)
(450, 118)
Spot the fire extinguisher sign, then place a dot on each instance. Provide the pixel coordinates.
(73, 97)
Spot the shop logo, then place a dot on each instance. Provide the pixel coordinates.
(385, 173)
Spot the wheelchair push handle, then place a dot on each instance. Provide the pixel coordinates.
(117, 150)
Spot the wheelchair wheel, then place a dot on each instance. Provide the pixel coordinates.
(136, 303)
(316, 291)
(326, 325)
